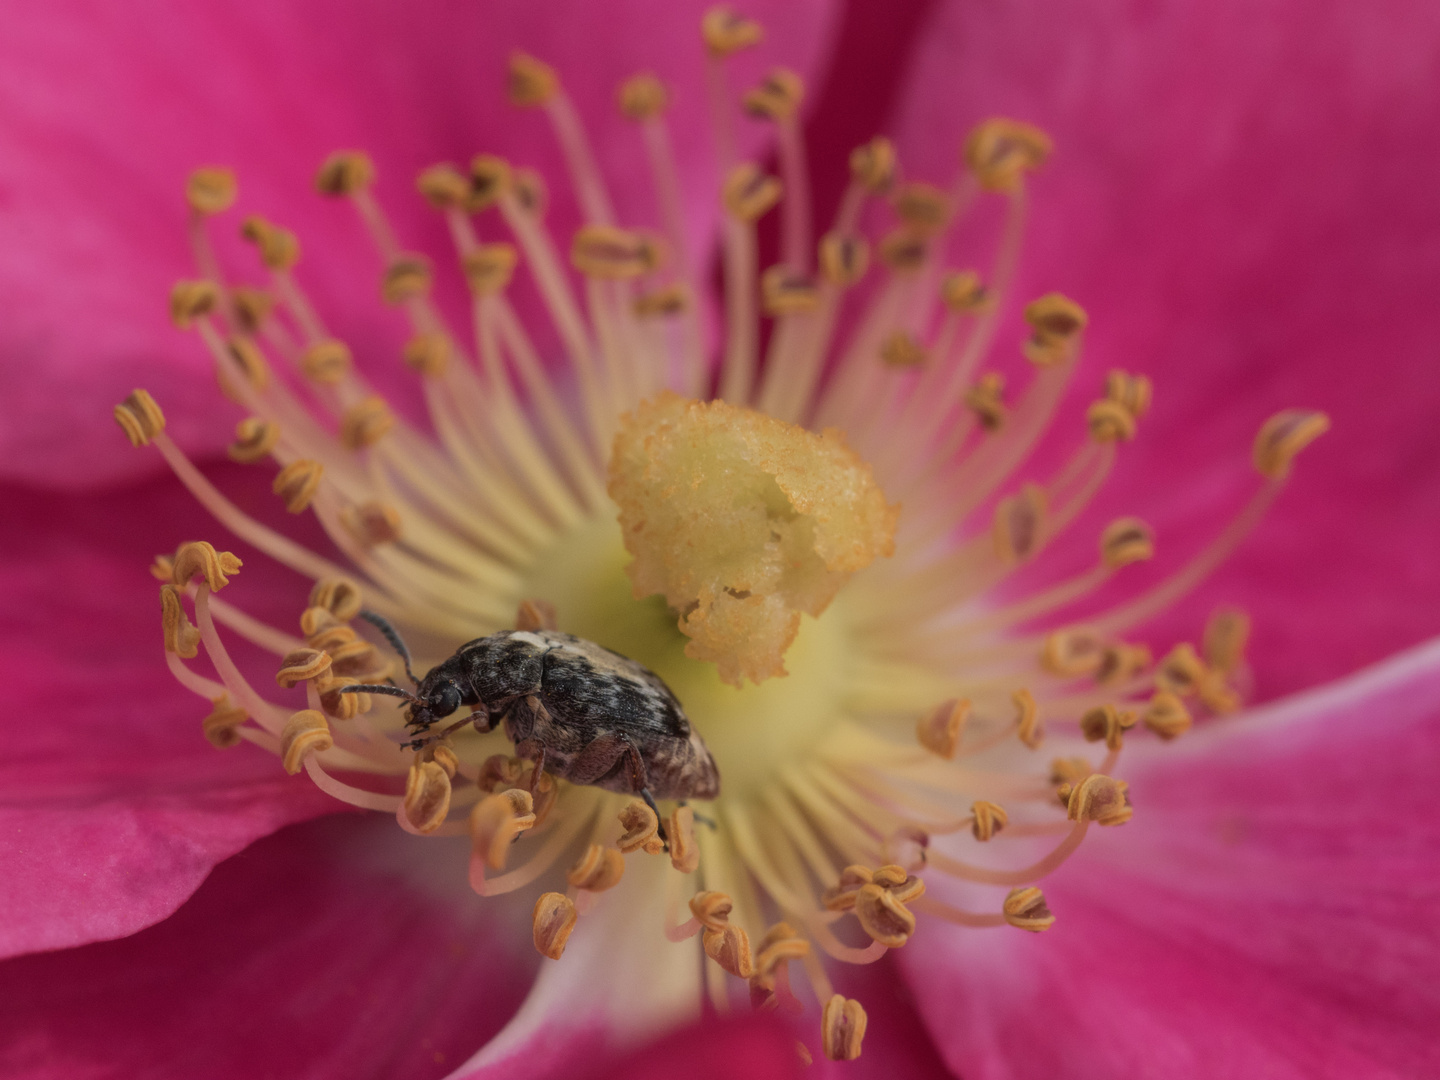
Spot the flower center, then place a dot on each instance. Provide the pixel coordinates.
(906, 734)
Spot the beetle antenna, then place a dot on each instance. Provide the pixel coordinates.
(393, 637)
(382, 688)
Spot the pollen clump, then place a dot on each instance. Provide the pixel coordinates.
(743, 522)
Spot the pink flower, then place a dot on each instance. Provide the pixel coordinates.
(1243, 198)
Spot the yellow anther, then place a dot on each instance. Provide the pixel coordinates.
(1000, 152)
(1056, 323)
(443, 186)
(901, 350)
(642, 97)
(447, 760)
(490, 178)
(667, 300)
(428, 353)
(1283, 436)
(883, 917)
(181, 636)
(332, 636)
(530, 192)
(903, 251)
(605, 251)
(1126, 541)
(1027, 718)
(407, 277)
(200, 557)
(872, 166)
(279, 248)
(252, 307)
(499, 771)
(366, 423)
(780, 945)
(547, 793)
(344, 173)
(986, 399)
(939, 729)
(341, 706)
(642, 829)
(730, 948)
(427, 796)
(711, 909)
(246, 356)
(373, 523)
(1025, 908)
(254, 439)
(1109, 421)
(924, 208)
(1072, 652)
(1108, 723)
(964, 292)
(1181, 672)
(747, 192)
(1167, 716)
(1021, 525)
(222, 727)
(1100, 799)
(191, 299)
(1131, 391)
(530, 81)
(554, 918)
(495, 823)
(1217, 695)
(339, 596)
(1121, 662)
(841, 895)
(489, 268)
(140, 418)
(1065, 773)
(843, 259)
(600, 868)
(684, 852)
(297, 483)
(842, 1028)
(326, 362)
(777, 97)
(1226, 634)
(536, 615)
(306, 732)
(300, 665)
(988, 819)
(784, 292)
(211, 190)
(725, 32)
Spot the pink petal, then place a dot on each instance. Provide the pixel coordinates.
(107, 114)
(339, 948)
(1242, 196)
(1270, 911)
(115, 807)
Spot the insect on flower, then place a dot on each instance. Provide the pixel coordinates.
(574, 708)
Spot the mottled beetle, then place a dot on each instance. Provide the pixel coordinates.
(577, 710)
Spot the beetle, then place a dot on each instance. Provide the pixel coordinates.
(574, 708)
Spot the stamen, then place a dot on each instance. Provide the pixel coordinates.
(989, 817)
(140, 418)
(1167, 716)
(531, 83)
(600, 868)
(345, 173)
(1027, 722)
(427, 796)
(939, 729)
(1108, 723)
(843, 259)
(1110, 421)
(901, 350)
(406, 278)
(1099, 799)
(301, 666)
(748, 193)
(986, 399)
(365, 423)
(1025, 908)
(777, 97)
(1126, 541)
(903, 251)
(784, 292)
(199, 558)
(726, 33)
(842, 895)
(641, 829)
(605, 251)
(327, 362)
(1000, 152)
(872, 165)
(1283, 436)
(297, 484)
(279, 248)
(729, 947)
(1121, 662)
(964, 293)
(496, 821)
(1019, 529)
(1226, 634)
(684, 851)
(445, 187)
(307, 732)
(246, 355)
(642, 97)
(211, 190)
(712, 909)
(373, 523)
(1074, 651)
(221, 726)
(554, 919)
(1131, 391)
(181, 637)
(924, 208)
(1056, 322)
(842, 1028)
(428, 354)
(191, 299)
(1181, 672)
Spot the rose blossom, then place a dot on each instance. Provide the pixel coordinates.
(1214, 787)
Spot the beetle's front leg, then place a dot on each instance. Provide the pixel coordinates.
(532, 750)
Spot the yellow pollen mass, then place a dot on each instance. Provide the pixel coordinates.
(743, 523)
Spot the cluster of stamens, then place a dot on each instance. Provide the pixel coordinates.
(945, 697)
